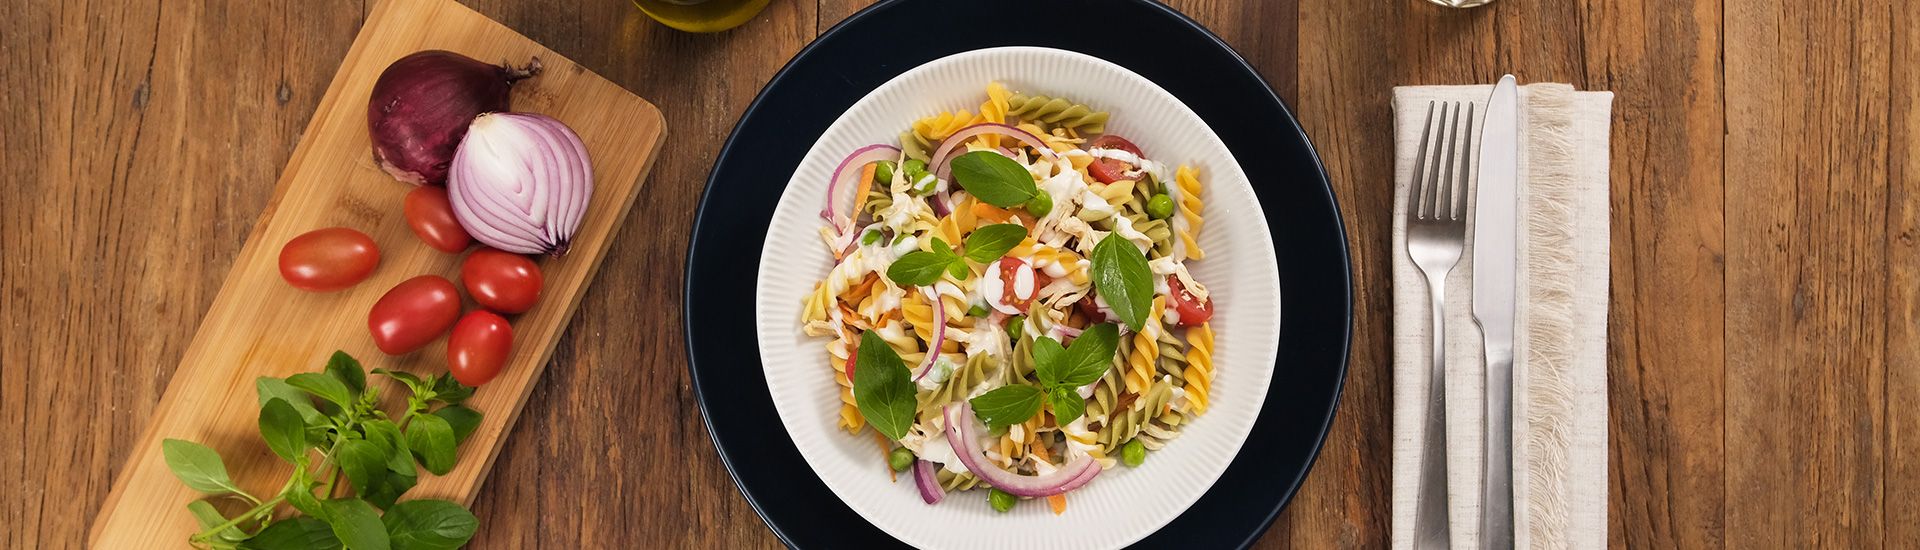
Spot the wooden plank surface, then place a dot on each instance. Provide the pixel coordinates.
(260, 326)
(1764, 345)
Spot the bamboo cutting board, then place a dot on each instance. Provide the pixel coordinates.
(259, 326)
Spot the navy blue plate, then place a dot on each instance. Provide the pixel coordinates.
(884, 40)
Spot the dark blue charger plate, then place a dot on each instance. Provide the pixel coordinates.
(884, 40)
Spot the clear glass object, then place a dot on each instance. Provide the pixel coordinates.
(1461, 3)
(701, 15)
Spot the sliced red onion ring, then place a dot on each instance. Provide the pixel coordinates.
(930, 489)
(939, 332)
(943, 157)
(963, 433)
(848, 169)
(1061, 332)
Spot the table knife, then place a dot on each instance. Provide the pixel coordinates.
(1495, 225)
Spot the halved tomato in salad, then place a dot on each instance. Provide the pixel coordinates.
(1193, 311)
(1111, 170)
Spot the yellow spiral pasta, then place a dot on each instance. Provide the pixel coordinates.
(938, 127)
(994, 110)
(838, 351)
(1143, 356)
(1200, 367)
(955, 227)
(1188, 180)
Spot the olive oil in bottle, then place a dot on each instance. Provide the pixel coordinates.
(701, 15)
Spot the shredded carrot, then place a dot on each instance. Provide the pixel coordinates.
(860, 290)
(866, 184)
(1058, 502)
(991, 213)
(886, 448)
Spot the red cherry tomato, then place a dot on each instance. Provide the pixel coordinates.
(852, 354)
(325, 260)
(1193, 311)
(414, 313)
(479, 347)
(1010, 269)
(1091, 310)
(501, 281)
(431, 217)
(1110, 170)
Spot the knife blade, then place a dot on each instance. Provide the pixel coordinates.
(1495, 225)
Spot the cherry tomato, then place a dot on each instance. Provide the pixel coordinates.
(1110, 170)
(1011, 269)
(1091, 310)
(480, 345)
(325, 260)
(501, 281)
(853, 353)
(1193, 311)
(414, 313)
(431, 217)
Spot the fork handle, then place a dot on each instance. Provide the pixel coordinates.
(1430, 515)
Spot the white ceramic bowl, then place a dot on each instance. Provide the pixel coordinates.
(1124, 504)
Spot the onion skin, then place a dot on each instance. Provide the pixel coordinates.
(521, 182)
(422, 104)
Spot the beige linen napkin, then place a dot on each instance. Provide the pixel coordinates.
(1560, 386)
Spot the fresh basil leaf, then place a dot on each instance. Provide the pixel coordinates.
(363, 463)
(357, 524)
(994, 178)
(431, 439)
(391, 486)
(958, 269)
(462, 419)
(295, 533)
(348, 370)
(325, 386)
(1049, 360)
(429, 525)
(1007, 405)
(198, 467)
(942, 249)
(1121, 276)
(282, 427)
(412, 381)
(989, 243)
(392, 443)
(1090, 355)
(881, 387)
(1067, 404)
(448, 390)
(210, 518)
(302, 499)
(918, 268)
(272, 388)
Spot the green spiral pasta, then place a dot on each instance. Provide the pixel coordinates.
(878, 200)
(1127, 424)
(915, 145)
(1057, 112)
(1156, 433)
(1173, 358)
(1157, 231)
(955, 482)
(1022, 361)
(976, 370)
(1107, 390)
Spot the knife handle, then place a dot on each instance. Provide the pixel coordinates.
(1496, 510)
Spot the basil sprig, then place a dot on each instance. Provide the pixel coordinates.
(986, 244)
(882, 387)
(1062, 371)
(1121, 276)
(335, 414)
(994, 178)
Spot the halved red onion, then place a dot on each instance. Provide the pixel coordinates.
(943, 157)
(939, 332)
(964, 434)
(520, 182)
(843, 183)
(930, 489)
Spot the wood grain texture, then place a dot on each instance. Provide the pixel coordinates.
(1764, 350)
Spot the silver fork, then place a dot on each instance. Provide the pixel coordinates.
(1436, 232)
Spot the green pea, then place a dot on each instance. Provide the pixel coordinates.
(883, 171)
(1133, 453)
(977, 311)
(870, 237)
(1160, 207)
(900, 459)
(914, 165)
(1040, 204)
(1014, 325)
(1001, 500)
(925, 184)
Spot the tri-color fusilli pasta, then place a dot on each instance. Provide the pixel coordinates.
(973, 326)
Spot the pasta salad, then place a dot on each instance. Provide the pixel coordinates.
(1010, 306)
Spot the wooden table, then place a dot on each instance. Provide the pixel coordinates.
(1765, 338)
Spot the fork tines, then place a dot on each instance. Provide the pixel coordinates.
(1440, 193)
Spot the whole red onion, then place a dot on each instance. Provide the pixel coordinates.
(421, 107)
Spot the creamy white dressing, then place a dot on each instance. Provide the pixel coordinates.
(905, 245)
(1123, 226)
(937, 373)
